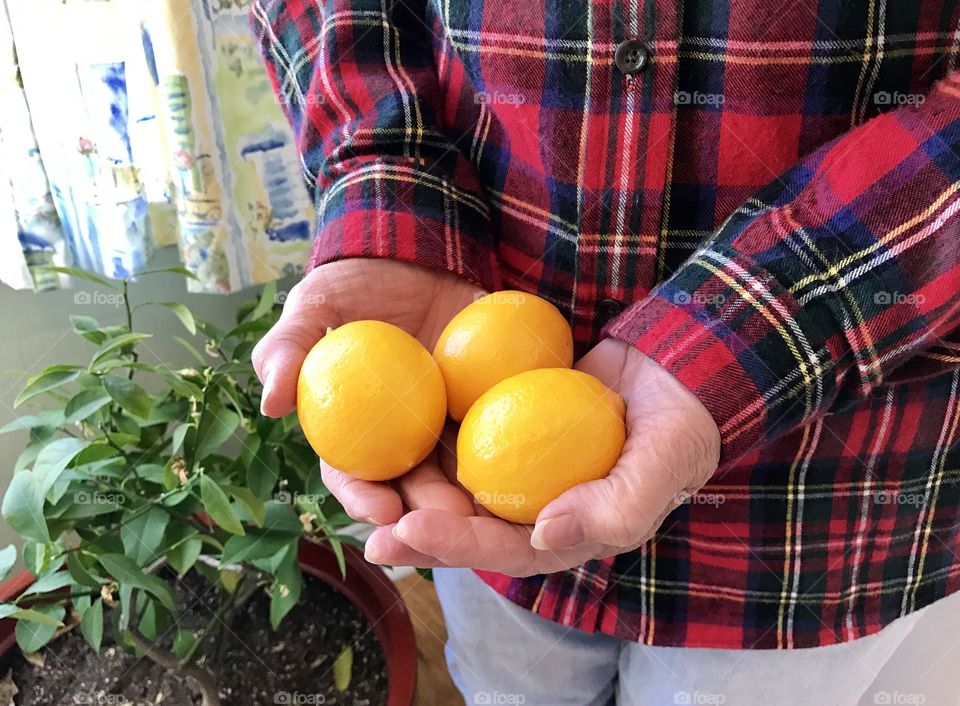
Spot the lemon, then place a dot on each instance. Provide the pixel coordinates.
(535, 435)
(498, 336)
(371, 400)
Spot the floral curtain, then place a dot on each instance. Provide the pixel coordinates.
(128, 125)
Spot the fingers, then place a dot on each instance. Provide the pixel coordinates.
(365, 501)
(280, 353)
(383, 548)
(426, 487)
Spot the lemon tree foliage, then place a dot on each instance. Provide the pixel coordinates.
(136, 473)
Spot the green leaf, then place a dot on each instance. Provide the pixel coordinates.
(127, 573)
(9, 610)
(253, 504)
(23, 507)
(128, 395)
(182, 387)
(8, 557)
(153, 619)
(337, 547)
(217, 424)
(89, 328)
(343, 669)
(193, 351)
(47, 418)
(176, 439)
(49, 583)
(54, 458)
(117, 343)
(286, 588)
(126, 606)
(37, 557)
(33, 634)
(80, 572)
(254, 545)
(184, 642)
(267, 300)
(81, 274)
(182, 271)
(230, 580)
(184, 314)
(264, 471)
(84, 404)
(50, 379)
(143, 535)
(217, 505)
(184, 555)
(280, 517)
(91, 624)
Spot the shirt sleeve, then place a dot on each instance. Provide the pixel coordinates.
(358, 83)
(841, 275)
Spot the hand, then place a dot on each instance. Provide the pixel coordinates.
(672, 449)
(419, 300)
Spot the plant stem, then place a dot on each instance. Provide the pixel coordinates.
(206, 684)
(129, 310)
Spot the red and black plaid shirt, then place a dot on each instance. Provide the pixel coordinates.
(767, 207)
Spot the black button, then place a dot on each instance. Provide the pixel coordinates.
(609, 309)
(632, 56)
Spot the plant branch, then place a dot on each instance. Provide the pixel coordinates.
(208, 687)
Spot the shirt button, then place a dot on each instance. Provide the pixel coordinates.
(608, 309)
(632, 56)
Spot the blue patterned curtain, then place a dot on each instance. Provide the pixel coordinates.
(129, 125)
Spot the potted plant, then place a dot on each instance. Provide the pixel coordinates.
(183, 536)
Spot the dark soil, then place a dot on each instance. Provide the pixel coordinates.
(259, 666)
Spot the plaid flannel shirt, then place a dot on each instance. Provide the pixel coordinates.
(768, 209)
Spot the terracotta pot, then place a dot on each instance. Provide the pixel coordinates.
(366, 586)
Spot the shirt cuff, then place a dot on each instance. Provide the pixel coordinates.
(726, 329)
(402, 212)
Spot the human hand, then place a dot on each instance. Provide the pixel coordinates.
(672, 449)
(417, 299)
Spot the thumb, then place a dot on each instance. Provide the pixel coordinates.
(279, 355)
(620, 510)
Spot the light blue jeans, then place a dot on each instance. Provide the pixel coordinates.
(502, 655)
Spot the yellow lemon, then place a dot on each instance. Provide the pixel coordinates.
(371, 400)
(495, 337)
(535, 435)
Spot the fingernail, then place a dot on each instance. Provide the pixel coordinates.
(400, 532)
(557, 533)
(267, 388)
